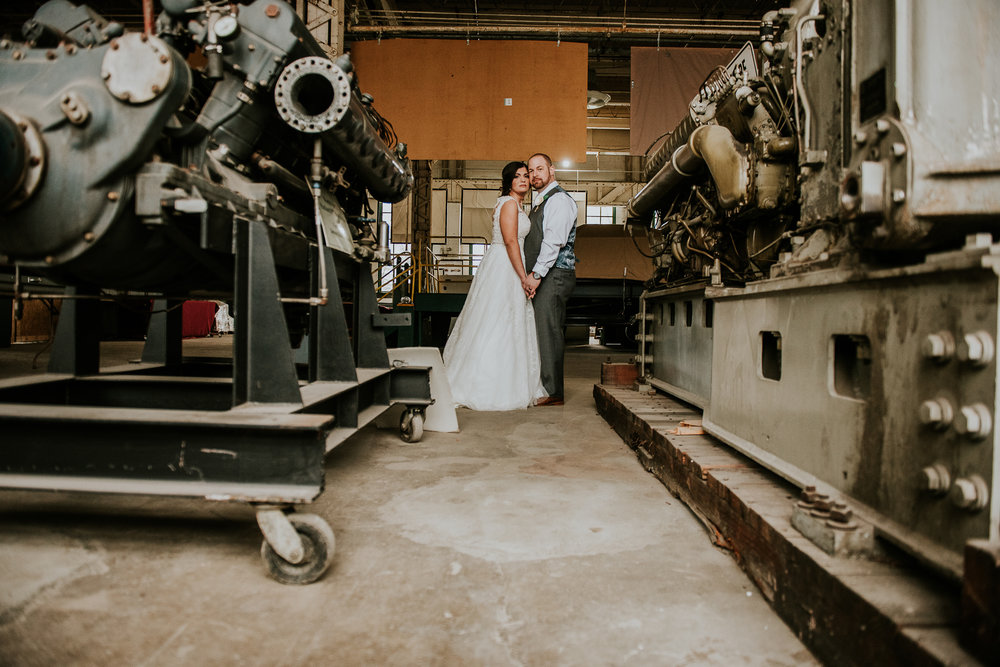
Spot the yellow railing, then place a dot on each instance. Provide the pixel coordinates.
(437, 266)
(390, 277)
(426, 273)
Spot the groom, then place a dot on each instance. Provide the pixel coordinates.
(548, 249)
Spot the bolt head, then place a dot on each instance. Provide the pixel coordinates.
(938, 346)
(976, 348)
(860, 137)
(936, 412)
(930, 413)
(882, 126)
(899, 196)
(898, 149)
(935, 479)
(974, 421)
(969, 493)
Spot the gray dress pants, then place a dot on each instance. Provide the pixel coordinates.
(550, 320)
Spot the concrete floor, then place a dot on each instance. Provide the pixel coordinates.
(530, 538)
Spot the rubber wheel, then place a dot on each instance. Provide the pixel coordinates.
(317, 542)
(411, 426)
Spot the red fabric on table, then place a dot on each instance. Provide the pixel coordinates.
(197, 318)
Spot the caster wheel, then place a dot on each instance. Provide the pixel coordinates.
(411, 426)
(318, 546)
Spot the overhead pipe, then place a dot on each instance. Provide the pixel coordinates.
(801, 97)
(561, 31)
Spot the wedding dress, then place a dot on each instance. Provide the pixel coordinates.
(491, 356)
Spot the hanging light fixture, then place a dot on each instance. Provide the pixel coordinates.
(596, 99)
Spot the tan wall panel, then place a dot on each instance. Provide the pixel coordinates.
(664, 81)
(445, 98)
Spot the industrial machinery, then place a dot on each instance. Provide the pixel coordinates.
(220, 155)
(824, 227)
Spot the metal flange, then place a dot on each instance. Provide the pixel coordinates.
(312, 94)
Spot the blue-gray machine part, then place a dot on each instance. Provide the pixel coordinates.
(87, 116)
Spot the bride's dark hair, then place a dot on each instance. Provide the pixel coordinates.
(507, 176)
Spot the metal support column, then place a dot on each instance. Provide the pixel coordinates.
(330, 354)
(369, 341)
(263, 365)
(77, 346)
(163, 338)
(420, 214)
(6, 322)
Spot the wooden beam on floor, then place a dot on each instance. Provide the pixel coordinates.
(848, 611)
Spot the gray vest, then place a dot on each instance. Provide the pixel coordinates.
(533, 241)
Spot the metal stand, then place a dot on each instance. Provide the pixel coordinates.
(246, 430)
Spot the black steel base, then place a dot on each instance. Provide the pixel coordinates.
(254, 428)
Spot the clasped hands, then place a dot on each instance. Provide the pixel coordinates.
(530, 284)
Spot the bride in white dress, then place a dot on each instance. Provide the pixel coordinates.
(491, 356)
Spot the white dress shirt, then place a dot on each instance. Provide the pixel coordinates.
(558, 219)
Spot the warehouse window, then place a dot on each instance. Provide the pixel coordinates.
(600, 215)
(474, 256)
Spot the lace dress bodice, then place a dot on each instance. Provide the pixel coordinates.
(523, 223)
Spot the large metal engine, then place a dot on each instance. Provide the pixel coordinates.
(221, 155)
(116, 149)
(826, 286)
(810, 153)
